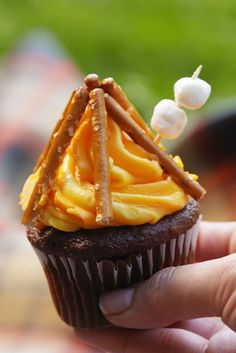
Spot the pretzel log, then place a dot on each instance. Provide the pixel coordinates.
(114, 90)
(101, 162)
(54, 132)
(58, 145)
(122, 118)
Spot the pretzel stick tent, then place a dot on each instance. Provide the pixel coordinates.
(104, 97)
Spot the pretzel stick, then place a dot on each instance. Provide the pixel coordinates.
(114, 90)
(101, 163)
(122, 118)
(59, 144)
(92, 81)
(55, 130)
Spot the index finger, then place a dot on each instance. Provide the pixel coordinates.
(117, 340)
(216, 239)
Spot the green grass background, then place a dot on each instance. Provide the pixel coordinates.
(146, 45)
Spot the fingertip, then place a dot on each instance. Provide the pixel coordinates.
(107, 339)
(92, 337)
(85, 344)
(232, 243)
(214, 240)
(223, 341)
(82, 335)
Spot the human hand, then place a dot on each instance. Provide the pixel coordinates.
(187, 309)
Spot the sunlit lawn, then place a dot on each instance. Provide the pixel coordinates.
(145, 45)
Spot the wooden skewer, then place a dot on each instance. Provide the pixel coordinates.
(122, 118)
(115, 91)
(157, 139)
(101, 162)
(66, 128)
(92, 81)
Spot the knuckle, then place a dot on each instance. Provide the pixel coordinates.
(166, 339)
(172, 340)
(161, 279)
(157, 286)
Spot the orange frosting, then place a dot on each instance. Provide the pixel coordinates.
(141, 191)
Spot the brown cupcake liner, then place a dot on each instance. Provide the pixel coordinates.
(77, 284)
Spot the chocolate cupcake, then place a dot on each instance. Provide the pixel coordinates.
(83, 264)
(106, 206)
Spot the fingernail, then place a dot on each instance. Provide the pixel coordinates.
(116, 302)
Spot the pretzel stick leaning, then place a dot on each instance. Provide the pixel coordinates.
(114, 90)
(101, 162)
(122, 118)
(59, 143)
(54, 132)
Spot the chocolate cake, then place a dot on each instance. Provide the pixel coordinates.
(114, 241)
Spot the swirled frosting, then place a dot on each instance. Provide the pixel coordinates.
(141, 190)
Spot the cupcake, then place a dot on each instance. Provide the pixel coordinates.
(106, 206)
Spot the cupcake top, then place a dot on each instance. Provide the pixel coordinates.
(103, 167)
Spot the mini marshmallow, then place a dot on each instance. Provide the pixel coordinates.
(168, 119)
(192, 92)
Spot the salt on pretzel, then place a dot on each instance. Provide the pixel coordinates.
(100, 154)
(54, 152)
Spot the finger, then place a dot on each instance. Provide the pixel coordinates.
(81, 347)
(205, 327)
(174, 294)
(223, 341)
(165, 340)
(216, 239)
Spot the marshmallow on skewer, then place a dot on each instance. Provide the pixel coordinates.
(192, 92)
(168, 118)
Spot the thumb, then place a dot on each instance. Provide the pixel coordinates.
(177, 293)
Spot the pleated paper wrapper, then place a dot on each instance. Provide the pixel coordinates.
(76, 284)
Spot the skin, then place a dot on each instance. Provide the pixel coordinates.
(186, 309)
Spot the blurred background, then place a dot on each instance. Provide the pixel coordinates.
(45, 50)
